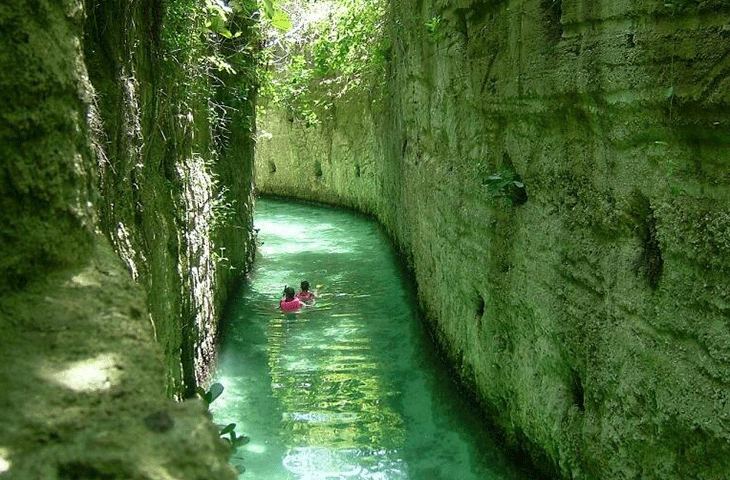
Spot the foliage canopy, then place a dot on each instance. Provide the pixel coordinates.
(318, 50)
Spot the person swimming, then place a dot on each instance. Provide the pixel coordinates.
(290, 300)
(305, 295)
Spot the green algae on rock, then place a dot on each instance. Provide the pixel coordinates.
(103, 159)
(589, 319)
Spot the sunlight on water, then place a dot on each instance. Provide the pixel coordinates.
(302, 238)
(349, 389)
(326, 464)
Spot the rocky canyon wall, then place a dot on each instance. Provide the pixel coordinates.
(119, 241)
(177, 192)
(557, 172)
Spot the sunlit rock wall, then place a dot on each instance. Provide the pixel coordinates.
(337, 162)
(178, 196)
(82, 378)
(126, 218)
(588, 309)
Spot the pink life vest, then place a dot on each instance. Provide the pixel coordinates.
(305, 296)
(292, 304)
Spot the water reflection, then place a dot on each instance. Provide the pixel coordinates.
(348, 389)
(334, 399)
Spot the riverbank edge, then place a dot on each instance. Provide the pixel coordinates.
(84, 385)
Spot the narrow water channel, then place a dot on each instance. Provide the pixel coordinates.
(351, 388)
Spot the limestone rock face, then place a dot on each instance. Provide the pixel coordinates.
(557, 172)
(116, 246)
(178, 197)
(83, 384)
(46, 187)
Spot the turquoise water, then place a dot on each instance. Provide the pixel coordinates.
(350, 388)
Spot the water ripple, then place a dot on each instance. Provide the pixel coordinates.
(349, 389)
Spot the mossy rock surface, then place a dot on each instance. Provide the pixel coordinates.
(112, 279)
(589, 317)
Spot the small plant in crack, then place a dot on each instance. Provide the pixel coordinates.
(506, 183)
(214, 392)
(433, 27)
(234, 440)
(228, 432)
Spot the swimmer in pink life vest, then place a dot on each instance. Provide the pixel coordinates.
(290, 301)
(305, 295)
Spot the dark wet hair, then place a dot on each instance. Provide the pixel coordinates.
(305, 286)
(289, 292)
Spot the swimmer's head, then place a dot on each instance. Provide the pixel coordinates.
(288, 292)
(305, 286)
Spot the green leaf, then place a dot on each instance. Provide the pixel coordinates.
(228, 428)
(239, 441)
(281, 21)
(215, 391)
(268, 8)
(203, 394)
